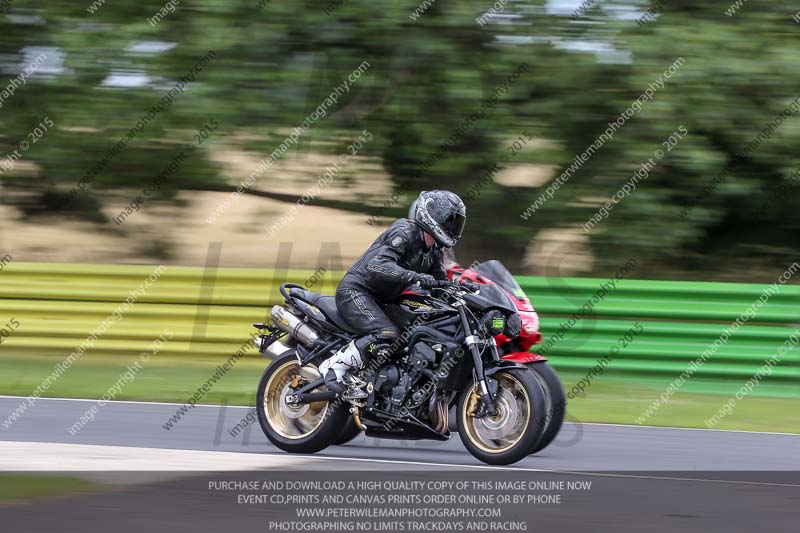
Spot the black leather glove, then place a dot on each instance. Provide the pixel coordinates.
(426, 281)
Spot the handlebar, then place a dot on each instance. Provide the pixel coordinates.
(455, 286)
(471, 287)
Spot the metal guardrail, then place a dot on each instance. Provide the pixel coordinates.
(680, 321)
(59, 305)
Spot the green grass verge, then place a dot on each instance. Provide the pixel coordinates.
(162, 379)
(24, 487)
(617, 401)
(608, 399)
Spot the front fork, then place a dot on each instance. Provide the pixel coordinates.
(487, 387)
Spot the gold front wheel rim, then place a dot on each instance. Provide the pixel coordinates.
(499, 434)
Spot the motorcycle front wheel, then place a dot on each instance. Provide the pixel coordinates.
(304, 428)
(555, 402)
(517, 427)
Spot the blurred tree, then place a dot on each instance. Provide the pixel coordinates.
(276, 61)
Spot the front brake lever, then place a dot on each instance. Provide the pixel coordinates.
(472, 288)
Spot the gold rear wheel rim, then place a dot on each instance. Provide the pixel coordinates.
(289, 421)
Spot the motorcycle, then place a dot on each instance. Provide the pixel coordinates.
(517, 350)
(449, 360)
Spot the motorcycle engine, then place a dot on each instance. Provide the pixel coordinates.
(395, 384)
(388, 376)
(421, 359)
(409, 382)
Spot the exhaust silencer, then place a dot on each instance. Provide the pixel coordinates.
(288, 323)
(274, 350)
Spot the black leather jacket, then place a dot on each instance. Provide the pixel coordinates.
(393, 261)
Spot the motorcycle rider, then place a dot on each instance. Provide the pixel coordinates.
(408, 252)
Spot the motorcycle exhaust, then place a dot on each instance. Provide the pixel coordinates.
(439, 413)
(274, 350)
(288, 323)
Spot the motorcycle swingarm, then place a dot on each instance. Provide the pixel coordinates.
(304, 394)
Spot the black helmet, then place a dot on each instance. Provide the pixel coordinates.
(442, 214)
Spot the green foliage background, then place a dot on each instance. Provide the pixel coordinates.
(275, 63)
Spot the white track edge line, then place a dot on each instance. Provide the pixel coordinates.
(547, 471)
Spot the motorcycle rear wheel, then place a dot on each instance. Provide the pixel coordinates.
(518, 426)
(307, 428)
(349, 432)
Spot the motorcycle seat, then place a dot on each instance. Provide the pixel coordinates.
(326, 304)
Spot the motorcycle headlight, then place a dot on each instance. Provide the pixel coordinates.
(513, 326)
(494, 322)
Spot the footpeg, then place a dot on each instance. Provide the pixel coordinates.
(356, 390)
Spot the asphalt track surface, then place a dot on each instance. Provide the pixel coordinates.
(579, 447)
(644, 479)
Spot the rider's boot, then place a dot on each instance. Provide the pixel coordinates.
(341, 371)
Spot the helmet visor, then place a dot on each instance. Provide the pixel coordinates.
(454, 224)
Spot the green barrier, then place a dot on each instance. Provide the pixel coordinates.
(59, 305)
